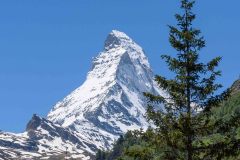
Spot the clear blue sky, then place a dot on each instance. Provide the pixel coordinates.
(46, 47)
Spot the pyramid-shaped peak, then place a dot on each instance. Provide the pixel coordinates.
(116, 38)
(118, 44)
(119, 34)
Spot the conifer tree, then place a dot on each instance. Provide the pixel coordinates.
(190, 126)
(186, 117)
(101, 155)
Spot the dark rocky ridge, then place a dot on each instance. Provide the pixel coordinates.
(235, 88)
(40, 129)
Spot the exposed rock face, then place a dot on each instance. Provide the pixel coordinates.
(236, 87)
(109, 103)
(34, 123)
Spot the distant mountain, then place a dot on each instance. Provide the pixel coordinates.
(109, 103)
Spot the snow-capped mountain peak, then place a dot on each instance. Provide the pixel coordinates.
(111, 99)
(115, 39)
(108, 104)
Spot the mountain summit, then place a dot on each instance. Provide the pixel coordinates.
(111, 100)
(116, 38)
(105, 106)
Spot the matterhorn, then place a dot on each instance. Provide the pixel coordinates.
(108, 104)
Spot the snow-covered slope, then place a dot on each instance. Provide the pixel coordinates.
(43, 140)
(111, 100)
(106, 105)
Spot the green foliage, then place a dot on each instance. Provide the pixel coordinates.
(196, 123)
(101, 155)
(186, 134)
(119, 147)
(139, 145)
(136, 145)
(227, 125)
(228, 107)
